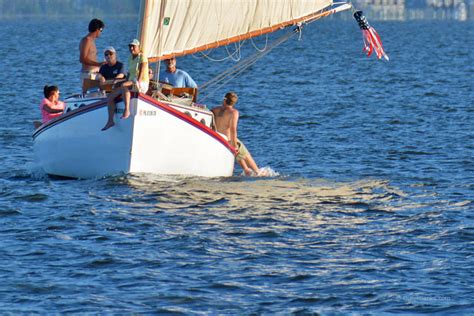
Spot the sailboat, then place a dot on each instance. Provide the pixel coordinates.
(166, 133)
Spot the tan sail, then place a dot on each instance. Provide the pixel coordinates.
(180, 27)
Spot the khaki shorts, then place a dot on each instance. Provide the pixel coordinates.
(243, 152)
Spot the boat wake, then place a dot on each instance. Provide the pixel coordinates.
(266, 172)
(36, 172)
(318, 199)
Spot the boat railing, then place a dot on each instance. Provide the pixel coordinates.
(158, 90)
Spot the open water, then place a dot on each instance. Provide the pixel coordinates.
(371, 209)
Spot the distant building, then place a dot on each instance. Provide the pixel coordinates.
(417, 9)
(383, 9)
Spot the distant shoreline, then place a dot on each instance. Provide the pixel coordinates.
(371, 13)
(49, 16)
(135, 16)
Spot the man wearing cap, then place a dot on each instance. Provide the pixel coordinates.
(176, 77)
(113, 69)
(88, 52)
(138, 80)
(138, 71)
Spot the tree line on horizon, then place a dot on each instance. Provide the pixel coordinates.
(68, 7)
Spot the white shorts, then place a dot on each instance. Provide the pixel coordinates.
(143, 86)
(89, 75)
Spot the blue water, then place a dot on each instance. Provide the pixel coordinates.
(372, 210)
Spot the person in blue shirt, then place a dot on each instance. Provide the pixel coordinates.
(113, 69)
(176, 77)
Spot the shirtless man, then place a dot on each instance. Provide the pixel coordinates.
(88, 52)
(226, 119)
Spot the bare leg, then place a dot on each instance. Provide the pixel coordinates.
(84, 88)
(111, 109)
(244, 166)
(126, 99)
(251, 163)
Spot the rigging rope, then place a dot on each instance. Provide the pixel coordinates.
(229, 54)
(229, 74)
(237, 46)
(260, 49)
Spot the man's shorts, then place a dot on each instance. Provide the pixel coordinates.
(143, 86)
(89, 75)
(243, 152)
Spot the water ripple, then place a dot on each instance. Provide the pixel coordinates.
(367, 208)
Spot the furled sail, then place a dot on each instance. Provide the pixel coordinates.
(181, 27)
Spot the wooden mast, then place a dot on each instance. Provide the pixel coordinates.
(144, 25)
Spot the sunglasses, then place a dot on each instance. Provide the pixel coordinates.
(108, 54)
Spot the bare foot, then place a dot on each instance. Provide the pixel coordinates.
(107, 126)
(125, 115)
(248, 172)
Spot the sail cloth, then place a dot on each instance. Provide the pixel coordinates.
(180, 27)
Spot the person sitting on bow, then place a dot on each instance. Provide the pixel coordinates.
(137, 79)
(113, 70)
(50, 106)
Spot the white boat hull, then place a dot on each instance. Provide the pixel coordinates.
(157, 138)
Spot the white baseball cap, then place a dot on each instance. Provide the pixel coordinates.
(135, 42)
(109, 49)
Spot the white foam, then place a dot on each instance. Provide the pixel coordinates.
(264, 172)
(267, 172)
(35, 171)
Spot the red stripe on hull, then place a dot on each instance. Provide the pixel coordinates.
(69, 115)
(163, 106)
(148, 99)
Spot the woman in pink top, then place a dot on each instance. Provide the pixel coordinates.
(50, 106)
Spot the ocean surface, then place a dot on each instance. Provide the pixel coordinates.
(369, 208)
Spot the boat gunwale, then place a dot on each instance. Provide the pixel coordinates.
(79, 111)
(168, 108)
(156, 103)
